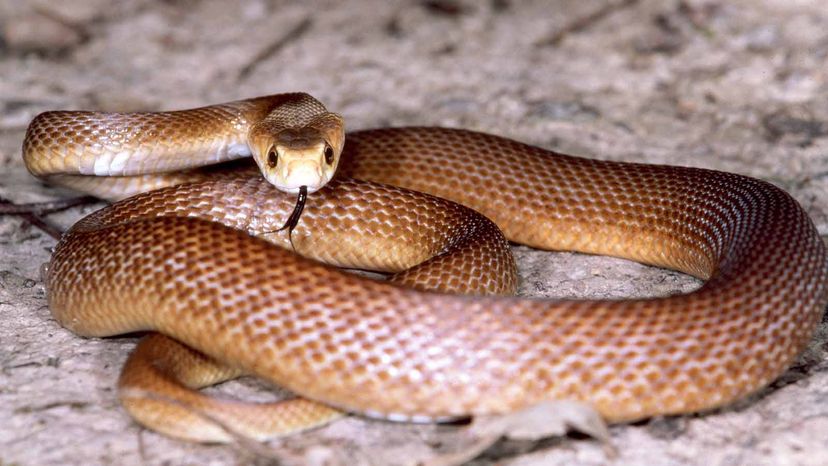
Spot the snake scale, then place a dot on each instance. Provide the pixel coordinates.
(183, 261)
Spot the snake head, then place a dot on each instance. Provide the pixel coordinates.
(290, 157)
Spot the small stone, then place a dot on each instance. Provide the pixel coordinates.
(76, 12)
(564, 110)
(38, 33)
(762, 39)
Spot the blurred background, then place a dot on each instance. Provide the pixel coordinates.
(737, 85)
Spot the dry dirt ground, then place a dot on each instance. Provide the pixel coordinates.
(737, 85)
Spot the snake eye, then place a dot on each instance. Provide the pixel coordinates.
(272, 158)
(329, 154)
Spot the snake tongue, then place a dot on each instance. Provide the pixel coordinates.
(293, 219)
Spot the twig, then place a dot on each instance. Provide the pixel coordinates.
(579, 24)
(33, 213)
(443, 7)
(42, 208)
(294, 33)
(35, 220)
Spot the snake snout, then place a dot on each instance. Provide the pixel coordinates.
(302, 172)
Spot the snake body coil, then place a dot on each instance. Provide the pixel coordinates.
(402, 353)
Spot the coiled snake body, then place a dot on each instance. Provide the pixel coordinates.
(162, 261)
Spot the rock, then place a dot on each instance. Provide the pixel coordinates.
(75, 12)
(38, 33)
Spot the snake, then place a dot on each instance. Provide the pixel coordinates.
(190, 253)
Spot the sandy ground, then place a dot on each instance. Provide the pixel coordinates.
(739, 86)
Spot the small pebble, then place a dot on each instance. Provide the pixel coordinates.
(76, 12)
(38, 33)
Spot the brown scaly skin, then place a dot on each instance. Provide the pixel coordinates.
(383, 350)
(145, 150)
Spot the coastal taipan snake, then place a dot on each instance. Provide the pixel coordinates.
(163, 261)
